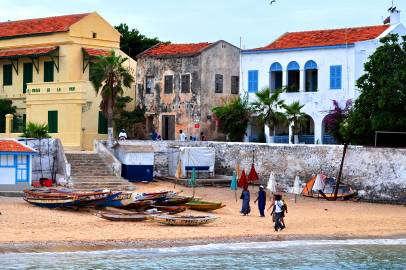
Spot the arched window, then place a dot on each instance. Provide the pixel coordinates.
(275, 76)
(311, 76)
(293, 77)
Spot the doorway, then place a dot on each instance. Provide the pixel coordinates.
(27, 75)
(168, 127)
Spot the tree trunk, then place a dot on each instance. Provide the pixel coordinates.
(340, 171)
(110, 131)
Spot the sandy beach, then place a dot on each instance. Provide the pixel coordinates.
(28, 228)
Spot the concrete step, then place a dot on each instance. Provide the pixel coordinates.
(89, 171)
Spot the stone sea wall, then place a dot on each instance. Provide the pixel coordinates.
(379, 174)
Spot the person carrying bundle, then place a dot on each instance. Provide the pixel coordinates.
(278, 212)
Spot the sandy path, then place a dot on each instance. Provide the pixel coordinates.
(21, 222)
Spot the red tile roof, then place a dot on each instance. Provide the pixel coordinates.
(39, 26)
(325, 37)
(21, 52)
(95, 52)
(13, 146)
(171, 49)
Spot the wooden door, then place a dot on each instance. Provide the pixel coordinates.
(168, 127)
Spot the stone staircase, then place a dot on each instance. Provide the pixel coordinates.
(89, 172)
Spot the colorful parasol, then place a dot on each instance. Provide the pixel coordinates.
(318, 184)
(271, 186)
(253, 176)
(296, 186)
(243, 181)
(178, 173)
(192, 181)
(234, 184)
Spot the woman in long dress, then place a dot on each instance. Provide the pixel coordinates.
(245, 196)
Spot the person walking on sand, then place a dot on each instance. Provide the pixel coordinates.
(245, 196)
(277, 212)
(261, 199)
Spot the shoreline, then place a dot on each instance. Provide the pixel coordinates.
(105, 245)
(27, 228)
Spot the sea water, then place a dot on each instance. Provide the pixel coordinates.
(323, 254)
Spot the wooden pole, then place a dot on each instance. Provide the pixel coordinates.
(340, 171)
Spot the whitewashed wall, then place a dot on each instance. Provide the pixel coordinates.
(379, 174)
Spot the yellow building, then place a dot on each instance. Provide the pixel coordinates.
(44, 70)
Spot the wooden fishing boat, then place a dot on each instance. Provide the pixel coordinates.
(175, 200)
(52, 202)
(74, 200)
(138, 205)
(204, 206)
(123, 216)
(344, 191)
(184, 220)
(122, 200)
(171, 210)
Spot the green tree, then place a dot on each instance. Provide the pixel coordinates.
(132, 42)
(294, 116)
(233, 118)
(336, 118)
(109, 76)
(382, 102)
(37, 131)
(6, 107)
(268, 107)
(129, 120)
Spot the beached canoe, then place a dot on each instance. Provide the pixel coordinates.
(184, 220)
(123, 216)
(139, 205)
(74, 200)
(175, 200)
(171, 210)
(204, 206)
(53, 202)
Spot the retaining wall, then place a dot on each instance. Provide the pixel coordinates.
(379, 174)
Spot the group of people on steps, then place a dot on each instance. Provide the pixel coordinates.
(278, 205)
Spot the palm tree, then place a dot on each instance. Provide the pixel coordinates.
(294, 115)
(268, 108)
(109, 76)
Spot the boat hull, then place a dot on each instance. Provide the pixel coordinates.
(204, 206)
(123, 217)
(184, 220)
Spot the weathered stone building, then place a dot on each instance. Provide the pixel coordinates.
(179, 84)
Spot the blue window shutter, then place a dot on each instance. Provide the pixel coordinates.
(338, 77)
(253, 81)
(335, 77)
(332, 77)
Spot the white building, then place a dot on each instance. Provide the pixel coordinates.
(317, 67)
(15, 165)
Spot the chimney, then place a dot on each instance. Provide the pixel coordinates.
(394, 16)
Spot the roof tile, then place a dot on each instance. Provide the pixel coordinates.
(95, 52)
(13, 146)
(171, 49)
(330, 37)
(39, 26)
(26, 51)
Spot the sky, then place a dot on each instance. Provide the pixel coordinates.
(256, 22)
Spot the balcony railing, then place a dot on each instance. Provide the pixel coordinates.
(303, 139)
(328, 139)
(57, 87)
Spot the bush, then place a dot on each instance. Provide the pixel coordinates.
(37, 131)
(233, 118)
